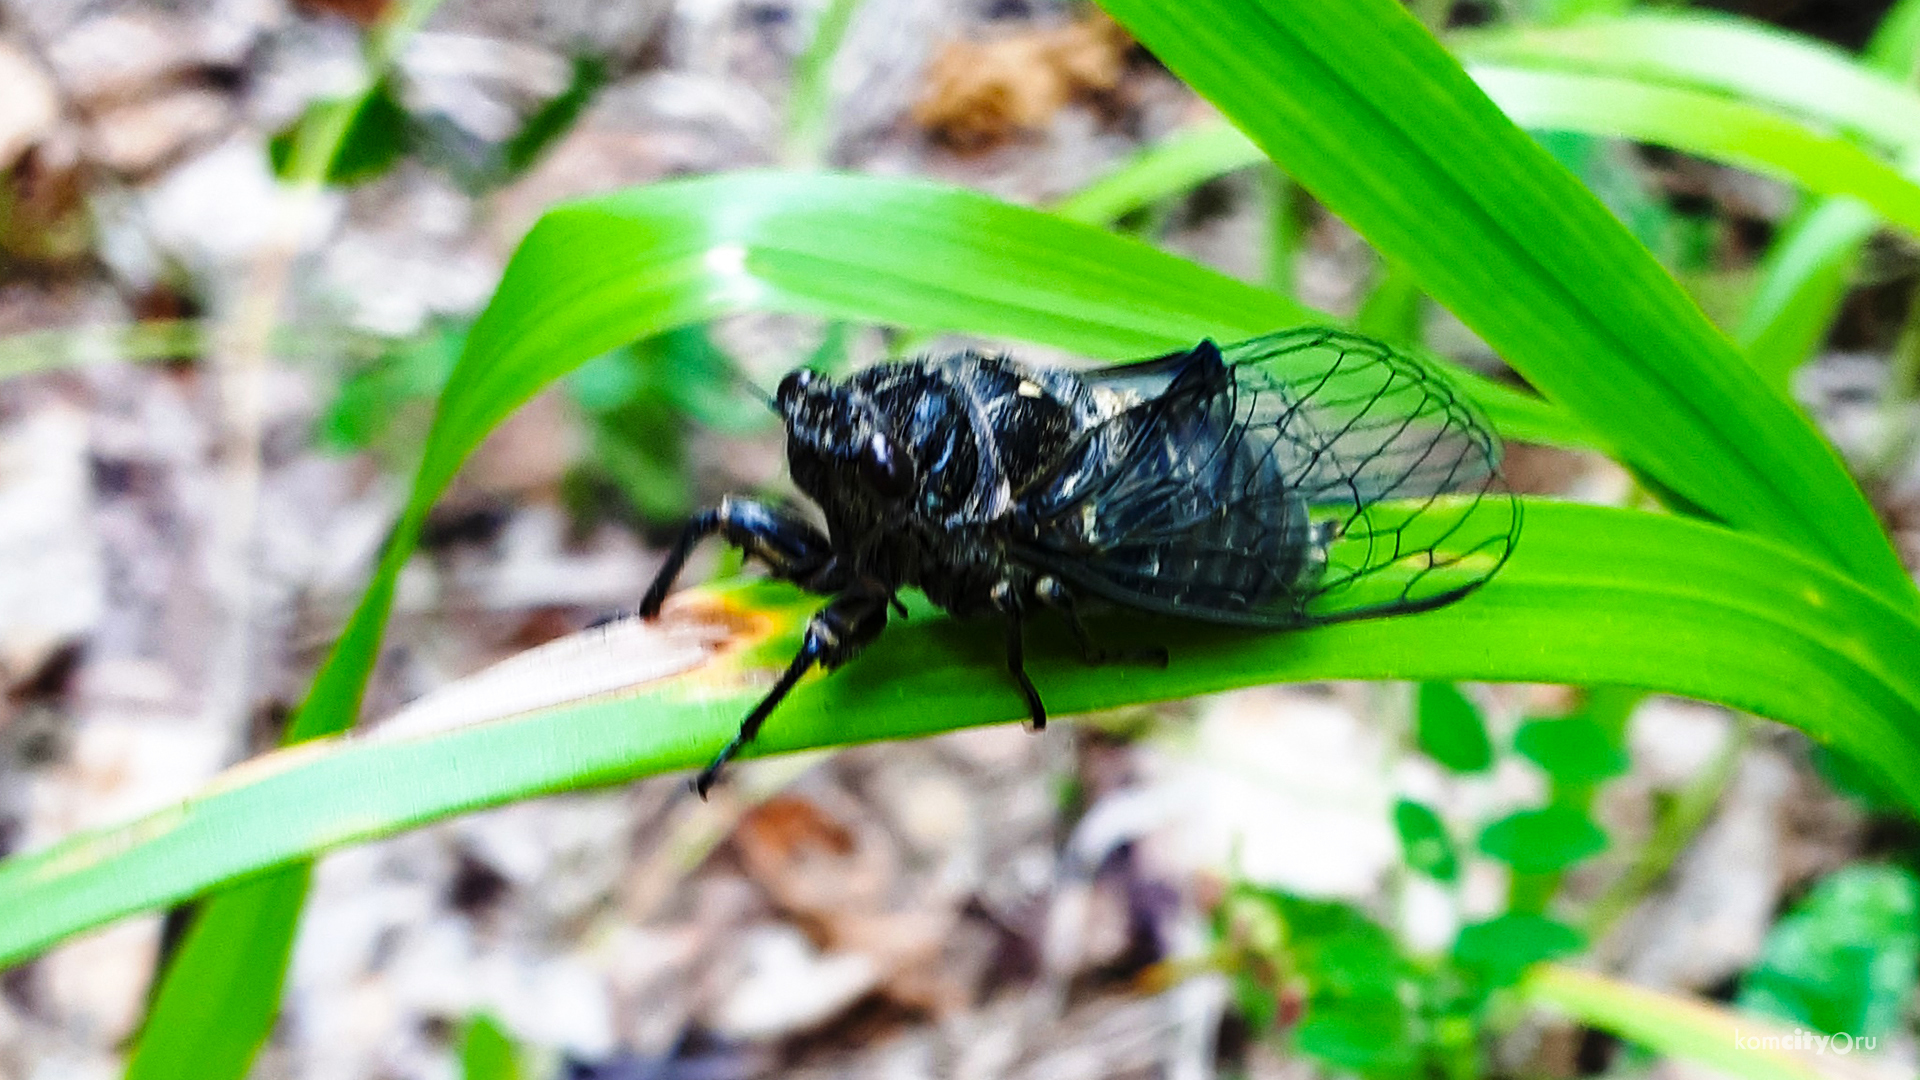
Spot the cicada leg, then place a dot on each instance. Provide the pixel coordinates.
(791, 547)
(835, 635)
(1008, 603)
(1017, 665)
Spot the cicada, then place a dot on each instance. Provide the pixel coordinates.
(1292, 480)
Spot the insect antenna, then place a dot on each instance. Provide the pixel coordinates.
(753, 389)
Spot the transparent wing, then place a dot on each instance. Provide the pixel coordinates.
(1303, 477)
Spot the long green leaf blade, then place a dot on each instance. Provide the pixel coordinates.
(1680, 1027)
(212, 1022)
(1734, 132)
(1591, 596)
(1803, 280)
(1733, 58)
(1808, 269)
(605, 272)
(1503, 236)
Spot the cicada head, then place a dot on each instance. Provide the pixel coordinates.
(843, 451)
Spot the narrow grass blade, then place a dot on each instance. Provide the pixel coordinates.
(1185, 160)
(213, 1022)
(1807, 270)
(1802, 283)
(1711, 1035)
(1721, 129)
(1591, 596)
(1732, 58)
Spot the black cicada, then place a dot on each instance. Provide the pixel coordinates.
(1297, 479)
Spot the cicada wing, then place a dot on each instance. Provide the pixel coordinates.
(1298, 478)
(1401, 473)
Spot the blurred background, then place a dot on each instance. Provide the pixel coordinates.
(212, 395)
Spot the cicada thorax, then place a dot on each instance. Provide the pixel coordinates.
(982, 428)
(978, 430)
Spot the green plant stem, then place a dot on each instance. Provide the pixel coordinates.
(1676, 1026)
(222, 988)
(151, 341)
(810, 106)
(1284, 228)
(1671, 837)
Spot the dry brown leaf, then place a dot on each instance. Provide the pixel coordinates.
(812, 862)
(980, 94)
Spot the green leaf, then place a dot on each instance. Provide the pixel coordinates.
(1359, 987)
(1740, 621)
(218, 999)
(246, 934)
(374, 139)
(412, 372)
(1394, 308)
(1754, 67)
(1425, 844)
(605, 272)
(1184, 160)
(1450, 729)
(1808, 268)
(1613, 172)
(1502, 236)
(1337, 949)
(642, 450)
(1804, 276)
(1846, 959)
(1736, 59)
(1354, 959)
(486, 1053)
(1738, 133)
(554, 118)
(1754, 135)
(1503, 948)
(1895, 48)
(685, 370)
(1572, 750)
(1374, 1038)
(1543, 841)
(642, 400)
(1803, 280)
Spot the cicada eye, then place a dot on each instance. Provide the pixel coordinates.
(885, 467)
(793, 385)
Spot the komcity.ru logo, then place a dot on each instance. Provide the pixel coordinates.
(1839, 1043)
